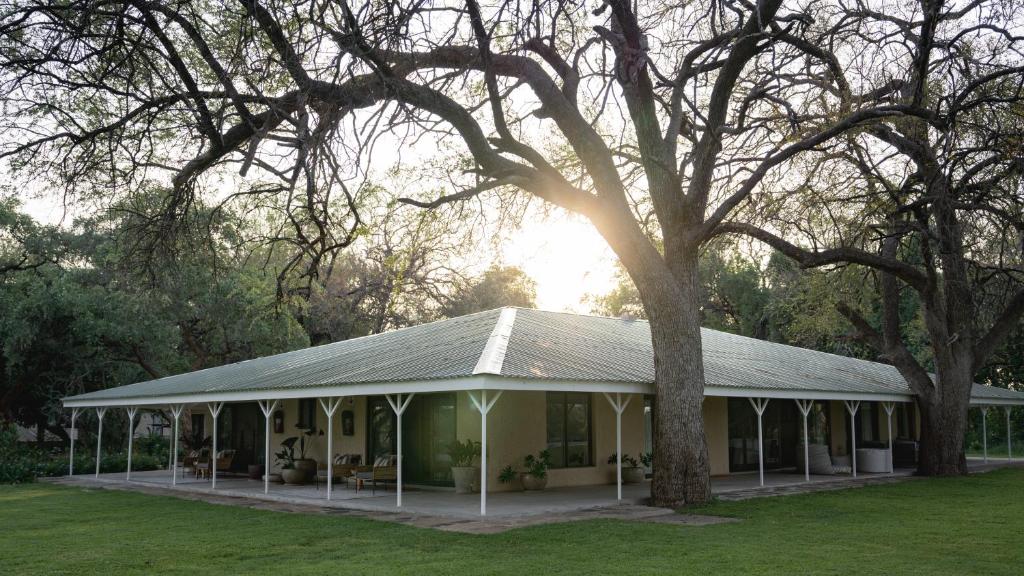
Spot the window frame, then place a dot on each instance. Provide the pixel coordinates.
(564, 444)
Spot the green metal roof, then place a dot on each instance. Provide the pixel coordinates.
(534, 346)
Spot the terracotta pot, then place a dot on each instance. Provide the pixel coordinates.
(465, 478)
(293, 476)
(531, 482)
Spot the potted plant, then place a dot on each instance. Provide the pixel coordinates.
(286, 460)
(535, 475)
(508, 475)
(632, 472)
(306, 465)
(464, 474)
(647, 460)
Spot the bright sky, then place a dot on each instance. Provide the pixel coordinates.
(566, 257)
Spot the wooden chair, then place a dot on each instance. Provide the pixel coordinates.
(344, 466)
(383, 471)
(224, 460)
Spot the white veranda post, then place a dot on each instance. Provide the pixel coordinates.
(852, 406)
(760, 404)
(74, 433)
(483, 406)
(330, 407)
(132, 411)
(1009, 441)
(805, 409)
(399, 406)
(984, 433)
(176, 410)
(267, 407)
(214, 408)
(889, 407)
(102, 410)
(619, 406)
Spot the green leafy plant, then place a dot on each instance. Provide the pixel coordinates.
(310, 433)
(508, 475)
(286, 457)
(627, 460)
(647, 459)
(463, 454)
(537, 466)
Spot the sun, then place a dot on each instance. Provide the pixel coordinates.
(566, 257)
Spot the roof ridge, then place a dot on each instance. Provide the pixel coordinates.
(493, 355)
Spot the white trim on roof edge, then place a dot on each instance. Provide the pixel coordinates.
(737, 392)
(996, 402)
(493, 356)
(478, 382)
(488, 382)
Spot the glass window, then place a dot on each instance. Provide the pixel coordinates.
(381, 424)
(199, 426)
(307, 413)
(903, 421)
(568, 430)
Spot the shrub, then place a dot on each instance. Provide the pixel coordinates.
(21, 463)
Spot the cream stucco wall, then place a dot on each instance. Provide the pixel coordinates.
(517, 426)
(716, 430)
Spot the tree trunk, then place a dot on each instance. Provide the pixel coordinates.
(943, 425)
(681, 471)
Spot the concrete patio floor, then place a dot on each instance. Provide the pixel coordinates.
(445, 510)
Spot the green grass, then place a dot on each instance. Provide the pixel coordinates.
(967, 525)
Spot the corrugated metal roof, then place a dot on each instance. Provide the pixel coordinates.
(541, 346)
(438, 350)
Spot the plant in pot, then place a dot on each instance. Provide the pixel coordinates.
(647, 460)
(632, 472)
(509, 475)
(464, 474)
(305, 440)
(286, 461)
(535, 474)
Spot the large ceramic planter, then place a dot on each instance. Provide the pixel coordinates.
(308, 467)
(464, 477)
(293, 476)
(632, 475)
(531, 482)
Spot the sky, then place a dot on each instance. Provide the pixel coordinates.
(567, 258)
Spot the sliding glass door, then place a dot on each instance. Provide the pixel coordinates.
(428, 428)
(782, 430)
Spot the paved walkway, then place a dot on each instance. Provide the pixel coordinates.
(445, 510)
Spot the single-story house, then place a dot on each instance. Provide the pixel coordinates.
(522, 381)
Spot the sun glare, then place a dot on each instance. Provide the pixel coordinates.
(567, 258)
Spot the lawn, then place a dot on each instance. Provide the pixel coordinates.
(950, 526)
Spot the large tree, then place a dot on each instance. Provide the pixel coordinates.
(933, 204)
(655, 121)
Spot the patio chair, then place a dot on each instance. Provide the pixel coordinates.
(191, 459)
(344, 466)
(224, 460)
(383, 471)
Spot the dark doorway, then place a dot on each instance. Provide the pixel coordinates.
(428, 427)
(782, 429)
(241, 428)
